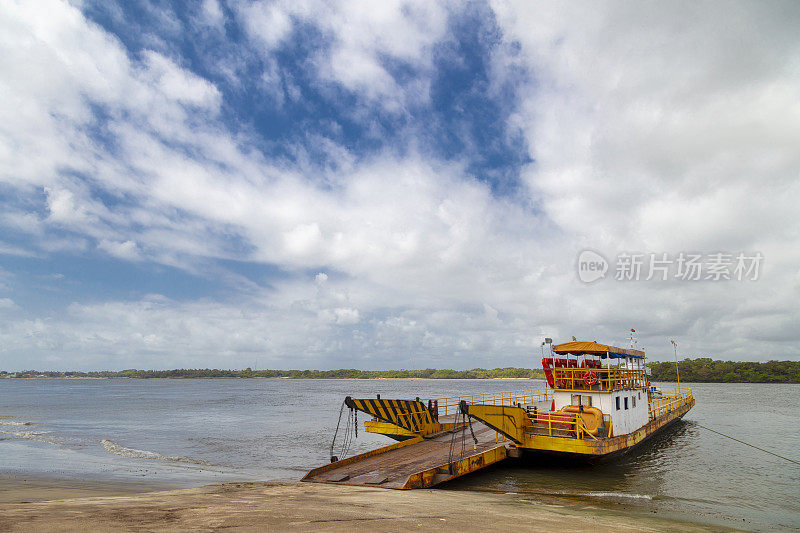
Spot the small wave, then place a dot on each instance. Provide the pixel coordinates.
(593, 494)
(133, 453)
(31, 435)
(619, 495)
(14, 423)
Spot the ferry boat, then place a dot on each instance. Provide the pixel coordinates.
(601, 403)
(598, 404)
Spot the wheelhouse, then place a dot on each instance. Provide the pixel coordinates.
(610, 378)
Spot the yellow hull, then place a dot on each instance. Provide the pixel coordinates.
(603, 447)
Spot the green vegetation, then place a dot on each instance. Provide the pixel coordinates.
(705, 370)
(692, 370)
(428, 373)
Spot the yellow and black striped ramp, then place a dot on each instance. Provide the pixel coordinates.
(408, 414)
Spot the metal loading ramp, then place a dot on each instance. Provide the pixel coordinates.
(417, 463)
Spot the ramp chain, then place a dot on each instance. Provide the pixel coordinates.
(461, 420)
(350, 428)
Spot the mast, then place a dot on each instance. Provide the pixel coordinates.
(677, 372)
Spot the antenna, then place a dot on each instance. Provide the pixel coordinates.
(548, 340)
(677, 372)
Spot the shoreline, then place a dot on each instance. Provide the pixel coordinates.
(293, 505)
(275, 377)
(537, 378)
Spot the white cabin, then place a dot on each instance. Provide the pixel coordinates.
(614, 382)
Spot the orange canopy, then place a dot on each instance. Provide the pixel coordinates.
(595, 348)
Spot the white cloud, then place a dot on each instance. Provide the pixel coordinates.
(64, 208)
(362, 35)
(8, 249)
(22, 221)
(179, 85)
(212, 14)
(123, 250)
(697, 113)
(268, 22)
(340, 315)
(648, 134)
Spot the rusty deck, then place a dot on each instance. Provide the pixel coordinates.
(418, 462)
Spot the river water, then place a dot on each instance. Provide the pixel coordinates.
(192, 432)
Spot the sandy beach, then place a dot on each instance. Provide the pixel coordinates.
(295, 506)
(27, 488)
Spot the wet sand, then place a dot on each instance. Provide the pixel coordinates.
(295, 506)
(31, 488)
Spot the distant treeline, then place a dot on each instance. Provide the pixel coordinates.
(692, 370)
(428, 373)
(710, 371)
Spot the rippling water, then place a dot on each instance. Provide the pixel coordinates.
(188, 432)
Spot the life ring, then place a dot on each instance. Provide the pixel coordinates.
(590, 378)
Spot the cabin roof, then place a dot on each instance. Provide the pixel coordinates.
(595, 348)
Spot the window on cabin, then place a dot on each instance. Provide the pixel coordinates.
(633, 402)
(584, 400)
(640, 395)
(617, 403)
(626, 402)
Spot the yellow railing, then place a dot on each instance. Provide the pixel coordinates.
(598, 379)
(667, 399)
(449, 405)
(559, 423)
(608, 423)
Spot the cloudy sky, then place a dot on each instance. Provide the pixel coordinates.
(314, 184)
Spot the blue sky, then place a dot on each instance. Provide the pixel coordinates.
(324, 184)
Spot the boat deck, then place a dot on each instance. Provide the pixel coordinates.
(417, 463)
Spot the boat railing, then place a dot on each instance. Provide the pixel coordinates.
(561, 424)
(608, 423)
(449, 405)
(664, 400)
(598, 379)
(678, 392)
